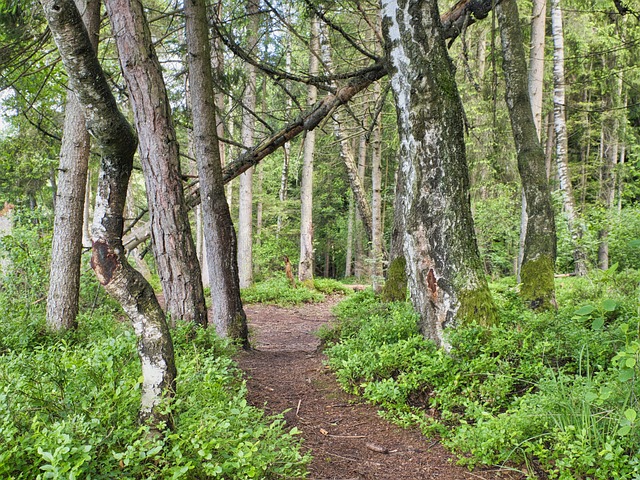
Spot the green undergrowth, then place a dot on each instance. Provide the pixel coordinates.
(68, 409)
(278, 291)
(551, 391)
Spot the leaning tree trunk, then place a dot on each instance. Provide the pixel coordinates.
(228, 314)
(562, 145)
(540, 242)
(173, 246)
(66, 250)
(446, 277)
(305, 265)
(117, 143)
(245, 198)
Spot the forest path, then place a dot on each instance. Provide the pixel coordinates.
(285, 371)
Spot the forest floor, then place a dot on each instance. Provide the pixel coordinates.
(348, 440)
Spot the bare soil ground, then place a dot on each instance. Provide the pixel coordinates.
(347, 438)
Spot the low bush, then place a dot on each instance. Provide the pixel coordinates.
(551, 392)
(278, 291)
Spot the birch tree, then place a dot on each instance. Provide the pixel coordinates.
(562, 146)
(305, 265)
(445, 274)
(117, 142)
(245, 198)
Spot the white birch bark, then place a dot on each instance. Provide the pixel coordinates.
(562, 149)
(245, 195)
(305, 266)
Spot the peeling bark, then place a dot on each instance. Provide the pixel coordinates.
(117, 143)
(446, 278)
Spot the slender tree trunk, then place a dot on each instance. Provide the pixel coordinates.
(376, 202)
(66, 250)
(305, 266)
(228, 314)
(540, 241)
(535, 87)
(612, 149)
(117, 143)
(245, 198)
(350, 224)
(173, 246)
(361, 255)
(562, 150)
(445, 273)
(286, 149)
(86, 213)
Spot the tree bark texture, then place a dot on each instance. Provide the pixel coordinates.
(66, 251)
(117, 143)
(228, 314)
(305, 265)
(562, 144)
(377, 222)
(540, 242)
(173, 245)
(445, 273)
(245, 198)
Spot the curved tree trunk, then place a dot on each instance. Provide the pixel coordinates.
(117, 143)
(66, 250)
(540, 242)
(446, 279)
(562, 146)
(173, 245)
(228, 314)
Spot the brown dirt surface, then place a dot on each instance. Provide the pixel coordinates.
(347, 438)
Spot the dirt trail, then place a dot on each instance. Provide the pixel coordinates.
(285, 371)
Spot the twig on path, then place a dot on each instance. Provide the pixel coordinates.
(353, 459)
(346, 436)
(298, 409)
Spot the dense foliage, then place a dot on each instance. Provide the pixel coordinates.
(541, 392)
(69, 402)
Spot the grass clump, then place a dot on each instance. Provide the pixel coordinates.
(540, 391)
(278, 291)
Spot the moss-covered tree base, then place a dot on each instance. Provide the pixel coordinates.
(477, 306)
(538, 288)
(395, 288)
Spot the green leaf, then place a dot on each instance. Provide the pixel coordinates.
(630, 414)
(586, 310)
(624, 430)
(609, 305)
(598, 323)
(625, 374)
(631, 362)
(624, 328)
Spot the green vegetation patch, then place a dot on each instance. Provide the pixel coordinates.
(556, 392)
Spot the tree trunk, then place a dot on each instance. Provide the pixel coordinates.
(445, 273)
(173, 245)
(117, 142)
(377, 223)
(66, 250)
(610, 159)
(360, 269)
(540, 242)
(286, 149)
(350, 224)
(395, 286)
(562, 148)
(305, 266)
(228, 314)
(245, 198)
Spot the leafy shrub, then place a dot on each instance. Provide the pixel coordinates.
(68, 410)
(556, 392)
(329, 286)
